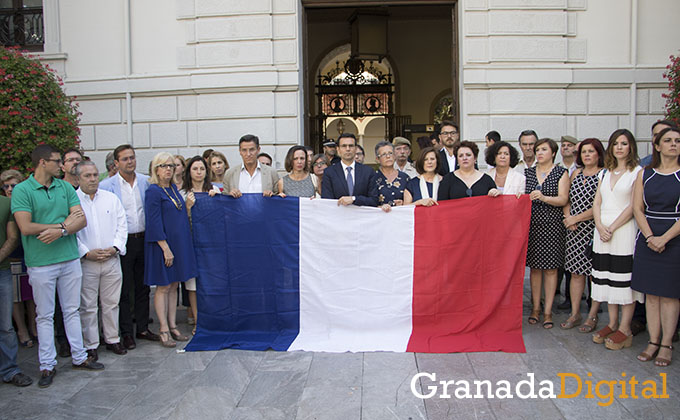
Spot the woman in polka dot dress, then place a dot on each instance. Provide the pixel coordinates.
(548, 188)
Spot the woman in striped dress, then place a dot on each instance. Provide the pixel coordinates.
(614, 240)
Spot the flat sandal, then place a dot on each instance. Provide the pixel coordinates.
(644, 357)
(661, 361)
(571, 322)
(586, 328)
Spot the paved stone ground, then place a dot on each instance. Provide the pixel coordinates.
(152, 382)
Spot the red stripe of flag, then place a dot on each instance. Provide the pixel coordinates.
(468, 274)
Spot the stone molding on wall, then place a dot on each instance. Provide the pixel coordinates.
(536, 31)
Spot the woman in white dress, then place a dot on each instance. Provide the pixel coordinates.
(501, 157)
(614, 240)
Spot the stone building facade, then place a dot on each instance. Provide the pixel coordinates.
(186, 75)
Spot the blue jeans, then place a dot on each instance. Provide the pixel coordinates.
(64, 278)
(8, 339)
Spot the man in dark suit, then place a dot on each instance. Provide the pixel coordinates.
(347, 181)
(449, 136)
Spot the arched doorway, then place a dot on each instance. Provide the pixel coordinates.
(360, 91)
(420, 52)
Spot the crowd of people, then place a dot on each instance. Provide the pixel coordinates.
(85, 246)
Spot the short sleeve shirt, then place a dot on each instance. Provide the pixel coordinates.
(47, 206)
(5, 217)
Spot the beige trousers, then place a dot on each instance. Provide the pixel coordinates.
(103, 280)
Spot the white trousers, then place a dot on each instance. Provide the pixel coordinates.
(64, 278)
(104, 280)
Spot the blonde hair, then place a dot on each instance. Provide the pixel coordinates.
(160, 158)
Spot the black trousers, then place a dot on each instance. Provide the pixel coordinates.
(132, 264)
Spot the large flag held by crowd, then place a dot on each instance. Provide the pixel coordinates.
(300, 274)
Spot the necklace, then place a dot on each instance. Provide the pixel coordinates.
(544, 174)
(617, 172)
(176, 201)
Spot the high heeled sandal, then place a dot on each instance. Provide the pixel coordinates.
(533, 318)
(166, 341)
(662, 361)
(547, 321)
(601, 335)
(178, 335)
(618, 341)
(644, 357)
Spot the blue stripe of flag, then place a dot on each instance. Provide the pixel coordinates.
(248, 255)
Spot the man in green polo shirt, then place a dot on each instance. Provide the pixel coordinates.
(48, 213)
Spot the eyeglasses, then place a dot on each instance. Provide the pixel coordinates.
(167, 166)
(448, 133)
(386, 154)
(320, 164)
(8, 186)
(54, 160)
(73, 159)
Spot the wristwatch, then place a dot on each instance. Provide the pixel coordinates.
(64, 232)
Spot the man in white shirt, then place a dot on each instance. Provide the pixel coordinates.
(130, 188)
(251, 176)
(568, 152)
(99, 244)
(402, 151)
(527, 140)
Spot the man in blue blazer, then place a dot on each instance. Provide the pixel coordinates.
(130, 188)
(347, 181)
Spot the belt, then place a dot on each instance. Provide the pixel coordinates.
(138, 235)
(662, 214)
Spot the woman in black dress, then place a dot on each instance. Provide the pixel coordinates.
(656, 262)
(466, 181)
(548, 188)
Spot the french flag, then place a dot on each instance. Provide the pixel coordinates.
(300, 274)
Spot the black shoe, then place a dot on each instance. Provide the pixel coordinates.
(116, 348)
(46, 377)
(64, 350)
(637, 327)
(89, 364)
(92, 353)
(148, 335)
(129, 342)
(20, 380)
